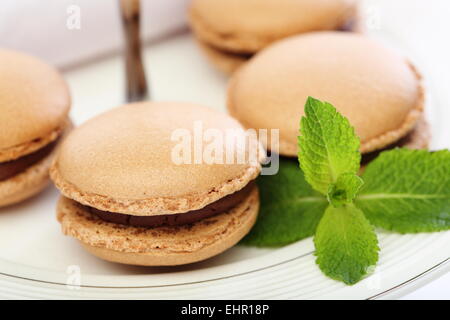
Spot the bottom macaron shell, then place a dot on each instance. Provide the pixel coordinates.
(161, 246)
(224, 61)
(228, 62)
(31, 181)
(419, 138)
(26, 184)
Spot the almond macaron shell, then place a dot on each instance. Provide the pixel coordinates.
(33, 180)
(378, 90)
(250, 25)
(224, 61)
(160, 246)
(34, 104)
(121, 161)
(34, 108)
(26, 184)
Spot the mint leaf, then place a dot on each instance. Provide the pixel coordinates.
(290, 209)
(345, 189)
(408, 191)
(404, 190)
(328, 145)
(346, 244)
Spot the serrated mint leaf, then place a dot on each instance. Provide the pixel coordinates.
(345, 189)
(328, 145)
(408, 191)
(289, 210)
(346, 244)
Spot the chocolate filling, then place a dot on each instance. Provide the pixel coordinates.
(189, 217)
(11, 168)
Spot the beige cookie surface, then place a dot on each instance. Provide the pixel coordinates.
(418, 138)
(161, 246)
(250, 25)
(34, 104)
(229, 62)
(374, 87)
(123, 160)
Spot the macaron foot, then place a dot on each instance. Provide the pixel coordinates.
(160, 246)
(26, 184)
(33, 180)
(226, 62)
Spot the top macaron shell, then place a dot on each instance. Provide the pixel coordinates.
(34, 104)
(377, 89)
(121, 161)
(250, 25)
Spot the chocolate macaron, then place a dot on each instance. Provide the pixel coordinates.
(34, 107)
(231, 31)
(377, 89)
(128, 197)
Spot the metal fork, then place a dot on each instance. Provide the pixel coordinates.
(136, 83)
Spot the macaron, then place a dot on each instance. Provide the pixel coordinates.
(377, 89)
(231, 31)
(128, 198)
(34, 107)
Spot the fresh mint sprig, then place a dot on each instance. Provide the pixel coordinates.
(402, 190)
(328, 145)
(290, 209)
(408, 191)
(346, 244)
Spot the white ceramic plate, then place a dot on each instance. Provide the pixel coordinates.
(37, 261)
